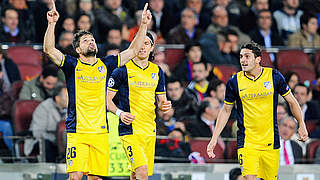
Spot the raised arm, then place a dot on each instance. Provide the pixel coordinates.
(222, 119)
(297, 113)
(138, 41)
(49, 40)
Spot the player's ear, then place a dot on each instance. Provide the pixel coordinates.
(258, 59)
(78, 50)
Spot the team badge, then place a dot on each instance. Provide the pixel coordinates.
(132, 161)
(70, 162)
(111, 82)
(101, 69)
(154, 76)
(267, 85)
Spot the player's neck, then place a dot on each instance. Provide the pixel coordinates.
(143, 63)
(255, 72)
(88, 60)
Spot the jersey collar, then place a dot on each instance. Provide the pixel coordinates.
(261, 71)
(88, 63)
(139, 66)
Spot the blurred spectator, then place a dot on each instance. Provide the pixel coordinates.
(85, 7)
(216, 89)
(174, 146)
(11, 31)
(288, 18)
(117, 16)
(220, 22)
(263, 34)
(44, 124)
(68, 24)
(160, 60)
(199, 84)
(225, 48)
(83, 22)
(186, 30)
(204, 123)
(193, 53)
(307, 37)
(134, 29)
(281, 111)
(233, 38)
(114, 37)
(182, 101)
(26, 20)
(290, 151)
(41, 87)
(234, 9)
(248, 21)
(292, 79)
(10, 72)
(112, 49)
(162, 18)
(310, 109)
(166, 123)
(203, 18)
(235, 174)
(316, 89)
(7, 100)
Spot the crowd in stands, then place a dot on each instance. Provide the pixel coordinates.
(211, 32)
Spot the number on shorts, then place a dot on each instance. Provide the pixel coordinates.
(129, 148)
(240, 159)
(71, 153)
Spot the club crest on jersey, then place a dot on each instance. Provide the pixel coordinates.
(267, 85)
(154, 76)
(70, 162)
(111, 82)
(101, 69)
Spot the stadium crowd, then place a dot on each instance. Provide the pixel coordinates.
(211, 32)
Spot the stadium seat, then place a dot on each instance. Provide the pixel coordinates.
(16, 88)
(22, 116)
(311, 126)
(200, 145)
(288, 58)
(266, 60)
(304, 72)
(231, 151)
(29, 72)
(24, 55)
(174, 56)
(317, 59)
(224, 71)
(311, 150)
(60, 137)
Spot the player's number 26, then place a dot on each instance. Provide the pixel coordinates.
(71, 153)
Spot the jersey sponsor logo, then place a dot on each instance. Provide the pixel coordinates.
(78, 69)
(131, 76)
(101, 69)
(111, 82)
(243, 89)
(267, 85)
(90, 79)
(154, 76)
(142, 84)
(252, 96)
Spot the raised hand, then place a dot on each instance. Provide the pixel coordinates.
(52, 15)
(127, 118)
(165, 106)
(146, 15)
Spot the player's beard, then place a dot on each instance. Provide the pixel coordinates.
(90, 53)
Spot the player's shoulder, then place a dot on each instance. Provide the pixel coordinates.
(109, 58)
(154, 66)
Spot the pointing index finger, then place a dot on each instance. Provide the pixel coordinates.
(53, 5)
(145, 7)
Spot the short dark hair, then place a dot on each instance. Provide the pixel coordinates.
(50, 70)
(77, 37)
(3, 14)
(305, 18)
(112, 47)
(289, 74)
(191, 44)
(173, 80)
(264, 10)
(202, 108)
(254, 47)
(234, 173)
(202, 62)
(302, 85)
(213, 84)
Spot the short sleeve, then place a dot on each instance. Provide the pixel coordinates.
(111, 62)
(115, 79)
(280, 83)
(68, 64)
(161, 83)
(230, 97)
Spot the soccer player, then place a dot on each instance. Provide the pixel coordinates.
(138, 83)
(86, 78)
(255, 91)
